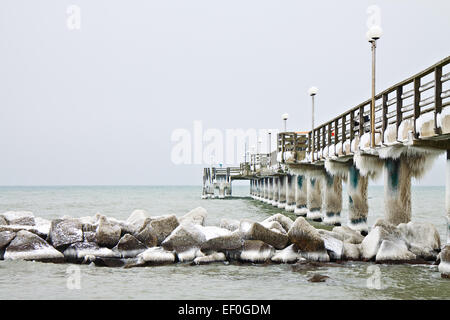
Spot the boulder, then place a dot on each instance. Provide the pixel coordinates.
(16, 228)
(256, 251)
(210, 258)
(285, 222)
(89, 236)
(274, 226)
(5, 238)
(334, 247)
(28, 246)
(444, 265)
(129, 246)
(382, 231)
(138, 219)
(64, 232)
(157, 255)
(319, 255)
(147, 236)
(257, 231)
(393, 251)
(348, 235)
(108, 234)
(287, 255)
(230, 241)
(335, 235)
(25, 218)
(189, 254)
(184, 237)
(422, 239)
(230, 224)
(163, 226)
(305, 236)
(3, 221)
(88, 251)
(42, 226)
(351, 251)
(195, 216)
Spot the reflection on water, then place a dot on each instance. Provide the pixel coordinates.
(349, 280)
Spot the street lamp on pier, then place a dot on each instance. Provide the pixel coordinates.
(312, 92)
(285, 116)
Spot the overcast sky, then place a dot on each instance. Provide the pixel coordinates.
(98, 105)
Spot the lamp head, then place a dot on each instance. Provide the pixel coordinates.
(284, 116)
(313, 91)
(374, 33)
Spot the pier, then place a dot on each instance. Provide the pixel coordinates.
(305, 174)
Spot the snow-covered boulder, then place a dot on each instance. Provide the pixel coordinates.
(28, 246)
(351, 251)
(88, 252)
(163, 226)
(305, 236)
(189, 254)
(256, 231)
(25, 218)
(210, 258)
(64, 232)
(129, 246)
(138, 219)
(287, 255)
(422, 238)
(147, 236)
(42, 226)
(394, 251)
(334, 247)
(5, 239)
(185, 236)
(230, 224)
(157, 255)
(285, 222)
(444, 265)
(319, 255)
(195, 216)
(3, 221)
(348, 235)
(108, 234)
(256, 251)
(230, 241)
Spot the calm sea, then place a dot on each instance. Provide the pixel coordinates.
(33, 280)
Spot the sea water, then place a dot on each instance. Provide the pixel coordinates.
(351, 280)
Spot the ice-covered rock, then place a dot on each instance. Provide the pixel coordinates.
(287, 255)
(195, 216)
(42, 226)
(274, 226)
(305, 236)
(28, 246)
(108, 234)
(285, 222)
(189, 254)
(3, 221)
(256, 251)
(230, 224)
(348, 234)
(333, 246)
(163, 226)
(210, 258)
(230, 241)
(256, 231)
(129, 246)
(81, 251)
(382, 230)
(25, 218)
(138, 218)
(5, 239)
(319, 255)
(422, 238)
(157, 255)
(185, 236)
(64, 232)
(351, 251)
(444, 265)
(394, 251)
(147, 236)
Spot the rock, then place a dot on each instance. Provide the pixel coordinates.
(231, 241)
(16, 228)
(147, 236)
(256, 251)
(372, 242)
(274, 226)
(287, 255)
(5, 238)
(320, 255)
(138, 219)
(318, 278)
(109, 262)
(25, 218)
(211, 232)
(195, 216)
(42, 226)
(28, 246)
(256, 231)
(348, 235)
(184, 237)
(164, 226)
(189, 254)
(80, 251)
(65, 232)
(305, 236)
(422, 239)
(285, 222)
(444, 265)
(230, 224)
(89, 236)
(352, 251)
(157, 255)
(334, 247)
(129, 246)
(3, 221)
(210, 258)
(391, 251)
(335, 235)
(108, 234)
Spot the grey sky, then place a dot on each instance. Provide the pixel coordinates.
(98, 105)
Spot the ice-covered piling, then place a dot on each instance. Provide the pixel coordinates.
(301, 193)
(275, 191)
(282, 181)
(269, 190)
(314, 199)
(357, 196)
(290, 193)
(332, 199)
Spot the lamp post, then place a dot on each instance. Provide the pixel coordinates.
(284, 116)
(312, 92)
(373, 34)
(269, 146)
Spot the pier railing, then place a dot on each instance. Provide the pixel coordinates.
(292, 146)
(422, 95)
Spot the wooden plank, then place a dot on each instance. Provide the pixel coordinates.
(384, 109)
(416, 113)
(437, 97)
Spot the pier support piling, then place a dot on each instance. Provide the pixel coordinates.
(301, 195)
(270, 190)
(290, 193)
(358, 207)
(332, 200)
(282, 192)
(275, 191)
(314, 199)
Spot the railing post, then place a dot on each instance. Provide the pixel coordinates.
(399, 105)
(361, 121)
(416, 104)
(352, 127)
(437, 97)
(384, 116)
